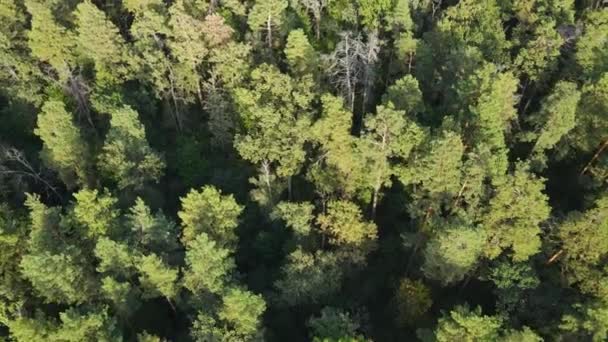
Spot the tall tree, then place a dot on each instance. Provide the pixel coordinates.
(126, 157)
(64, 150)
(267, 15)
(209, 211)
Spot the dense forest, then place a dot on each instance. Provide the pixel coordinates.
(303, 170)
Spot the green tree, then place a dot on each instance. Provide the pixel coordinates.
(405, 95)
(96, 212)
(49, 41)
(208, 211)
(155, 232)
(58, 278)
(338, 169)
(64, 150)
(344, 225)
(556, 117)
(267, 15)
(157, 279)
(464, 324)
(514, 215)
(387, 136)
(100, 41)
(309, 277)
(333, 324)
(584, 239)
(413, 300)
(274, 113)
(301, 56)
(591, 49)
(452, 252)
(126, 158)
(208, 267)
(242, 311)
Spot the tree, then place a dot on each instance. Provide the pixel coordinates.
(587, 321)
(95, 212)
(156, 278)
(208, 211)
(556, 117)
(387, 136)
(154, 232)
(344, 225)
(413, 300)
(274, 114)
(371, 12)
(99, 40)
(316, 8)
(464, 324)
(538, 56)
(126, 157)
(58, 278)
(309, 277)
(49, 41)
(64, 148)
(435, 171)
(242, 311)
(338, 169)
(486, 33)
(590, 47)
(333, 324)
(208, 266)
(266, 15)
(514, 215)
(301, 56)
(405, 95)
(453, 252)
(584, 239)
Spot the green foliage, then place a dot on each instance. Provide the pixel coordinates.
(301, 56)
(309, 277)
(464, 324)
(332, 324)
(157, 278)
(126, 157)
(557, 116)
(64, 150)
(242, 311)
(584, 238)
(266, 15)
(405, 95)
(365, 167)
(58, 278)
(413, 300)
(96, 212)
(344, 224)
(452, 252)
(589, 321)
(208, 211)
(591, 47)
(208, 266)
(515, 213)
(49, 41)
(155, 232)
(99, 40)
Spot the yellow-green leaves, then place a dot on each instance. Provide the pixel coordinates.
(208, 211)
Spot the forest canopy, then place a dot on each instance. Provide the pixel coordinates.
(303, 170)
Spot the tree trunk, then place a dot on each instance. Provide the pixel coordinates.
(269, 29)
(266, 170)
(318, 27)
(595, 156)
(176, 114)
